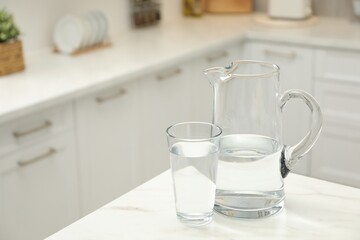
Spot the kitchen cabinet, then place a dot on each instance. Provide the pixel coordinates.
(107, 125)
(165, 99)
(338, 92)
(296, 67)
(202, 91)
(38, 180)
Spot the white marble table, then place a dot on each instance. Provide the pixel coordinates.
(314, 209)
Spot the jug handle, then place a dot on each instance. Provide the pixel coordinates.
(292, 154)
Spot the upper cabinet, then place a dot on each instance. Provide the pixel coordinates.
(107, 125)
(296, 68)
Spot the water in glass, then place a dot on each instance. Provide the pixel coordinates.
(194, 167)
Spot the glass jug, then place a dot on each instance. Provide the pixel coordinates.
(253, 160)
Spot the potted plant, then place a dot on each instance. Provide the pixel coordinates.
(11, 54)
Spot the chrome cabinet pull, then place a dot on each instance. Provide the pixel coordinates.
(218, 56)
(49, 153)
(168, 74)
(117, 94)
(289, 55)
(19, 134)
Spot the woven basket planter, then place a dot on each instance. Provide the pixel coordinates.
(11, 57)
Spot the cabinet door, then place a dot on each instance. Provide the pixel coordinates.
(295, 73)
(202, 91)
(165, 100)
(39, 189)
(337, 154)
(106, 125)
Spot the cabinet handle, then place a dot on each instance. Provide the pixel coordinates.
(49, 153)
(19, 134)
(217, 56)
(289, 55)
(117, 94)
(168, 74)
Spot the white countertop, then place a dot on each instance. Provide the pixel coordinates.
(314, 209)
(52, 78)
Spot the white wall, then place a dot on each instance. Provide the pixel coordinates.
(334, 8)
(36, 18)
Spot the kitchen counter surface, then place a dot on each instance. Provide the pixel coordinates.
(314, 209)
(51, 78)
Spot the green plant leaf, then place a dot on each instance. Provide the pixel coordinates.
(3, 36)
(8, 28)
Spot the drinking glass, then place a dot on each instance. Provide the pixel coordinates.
(194, 148)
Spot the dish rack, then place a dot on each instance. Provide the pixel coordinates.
(86, 49)
(78, 34)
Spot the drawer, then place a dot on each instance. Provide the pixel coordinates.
(336, 65)
(339, 99)
(295, 62)
(37, 153)
(35, 126)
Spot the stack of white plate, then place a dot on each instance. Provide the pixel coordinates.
(73, 33)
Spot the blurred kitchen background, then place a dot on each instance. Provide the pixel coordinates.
(37, 25)
(89, 87)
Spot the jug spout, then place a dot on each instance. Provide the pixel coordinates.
(217, 74)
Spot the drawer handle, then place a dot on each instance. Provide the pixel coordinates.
(117, 94)
(168, 74)
(19, 134)
(217, 56)
(49, 153)
(289, 55)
